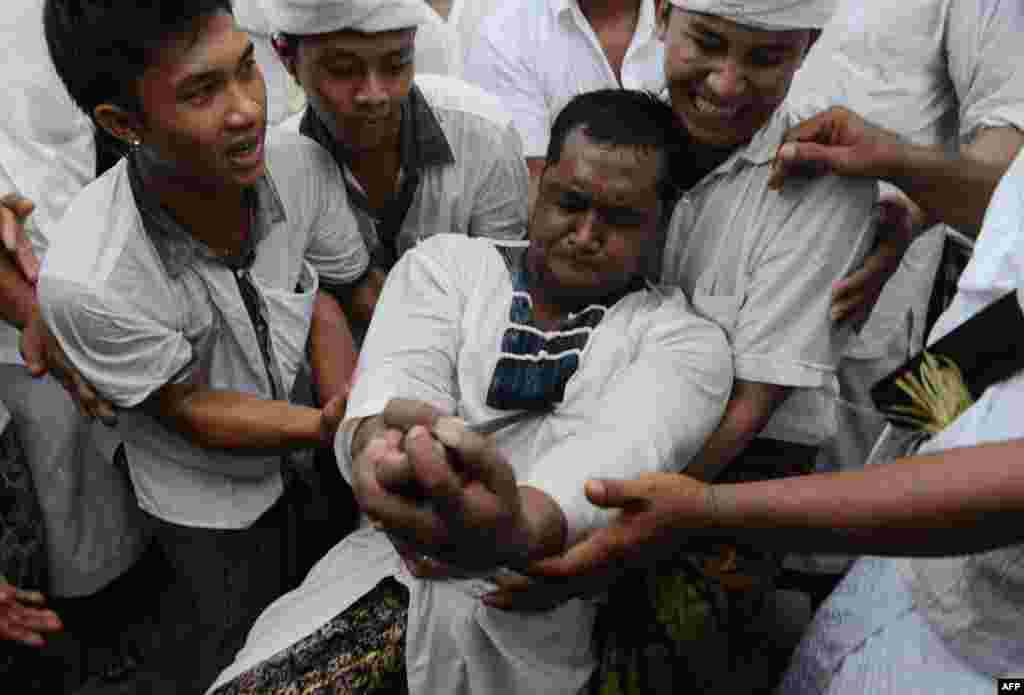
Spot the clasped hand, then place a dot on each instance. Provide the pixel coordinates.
(446, 495)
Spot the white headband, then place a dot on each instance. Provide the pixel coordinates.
(306, 17)
(774, 15)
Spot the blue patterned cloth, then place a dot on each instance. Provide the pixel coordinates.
(534, 365)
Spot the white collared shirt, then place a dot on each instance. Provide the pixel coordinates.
(761, 264)
(134, 314)
(536, 55)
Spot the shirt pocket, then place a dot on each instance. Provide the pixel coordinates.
(723, 309)
(289, 313)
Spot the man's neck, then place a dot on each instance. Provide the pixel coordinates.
(601, 11)
(377, 172)
(614, 23)
(214, 215)
(707, 158)
(550, 306)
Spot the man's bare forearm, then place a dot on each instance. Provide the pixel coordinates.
(952, 190)
(958, 501)
(332, 352)
(749, 409)
(239, 422)
(956, 189)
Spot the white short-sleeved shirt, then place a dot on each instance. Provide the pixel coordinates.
(934, 71)
(536, 55)
(761, 264)
(473, 179)
(652, 383)
(135, 311)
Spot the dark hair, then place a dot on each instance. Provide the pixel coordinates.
(627, 118)
(101, 47)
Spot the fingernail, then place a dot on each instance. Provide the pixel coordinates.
(449, 430)
(417, 432)
(595, 488)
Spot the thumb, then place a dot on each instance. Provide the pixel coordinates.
(18, 204)
(612, 494)
(33, 352)
(811, 154)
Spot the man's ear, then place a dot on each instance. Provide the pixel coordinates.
(122, 124)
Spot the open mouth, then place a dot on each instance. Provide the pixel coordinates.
(713, 110)
(247, 151)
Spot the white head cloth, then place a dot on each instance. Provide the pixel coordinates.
(775, 15)
(305, 17)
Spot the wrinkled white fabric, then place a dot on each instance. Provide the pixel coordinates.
(976, 603)
(652, 383)
(94, 530)
(46, 144)
(466, 16)
(774, 15)
(536, 55)
(47, 154)
(304, 17)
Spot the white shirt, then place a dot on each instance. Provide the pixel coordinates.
(976, 602)
(934, 71)
(135, 312)
(481, 191)
(46, 145)
(761, 264)
(536, 55)
(651, 385)
(466, 17)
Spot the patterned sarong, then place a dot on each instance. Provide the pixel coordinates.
(360, 652)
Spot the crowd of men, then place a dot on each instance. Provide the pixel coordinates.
(387, 346)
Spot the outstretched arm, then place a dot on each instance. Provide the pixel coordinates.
(964, 500)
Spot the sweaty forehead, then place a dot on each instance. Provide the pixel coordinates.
(617, 174)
